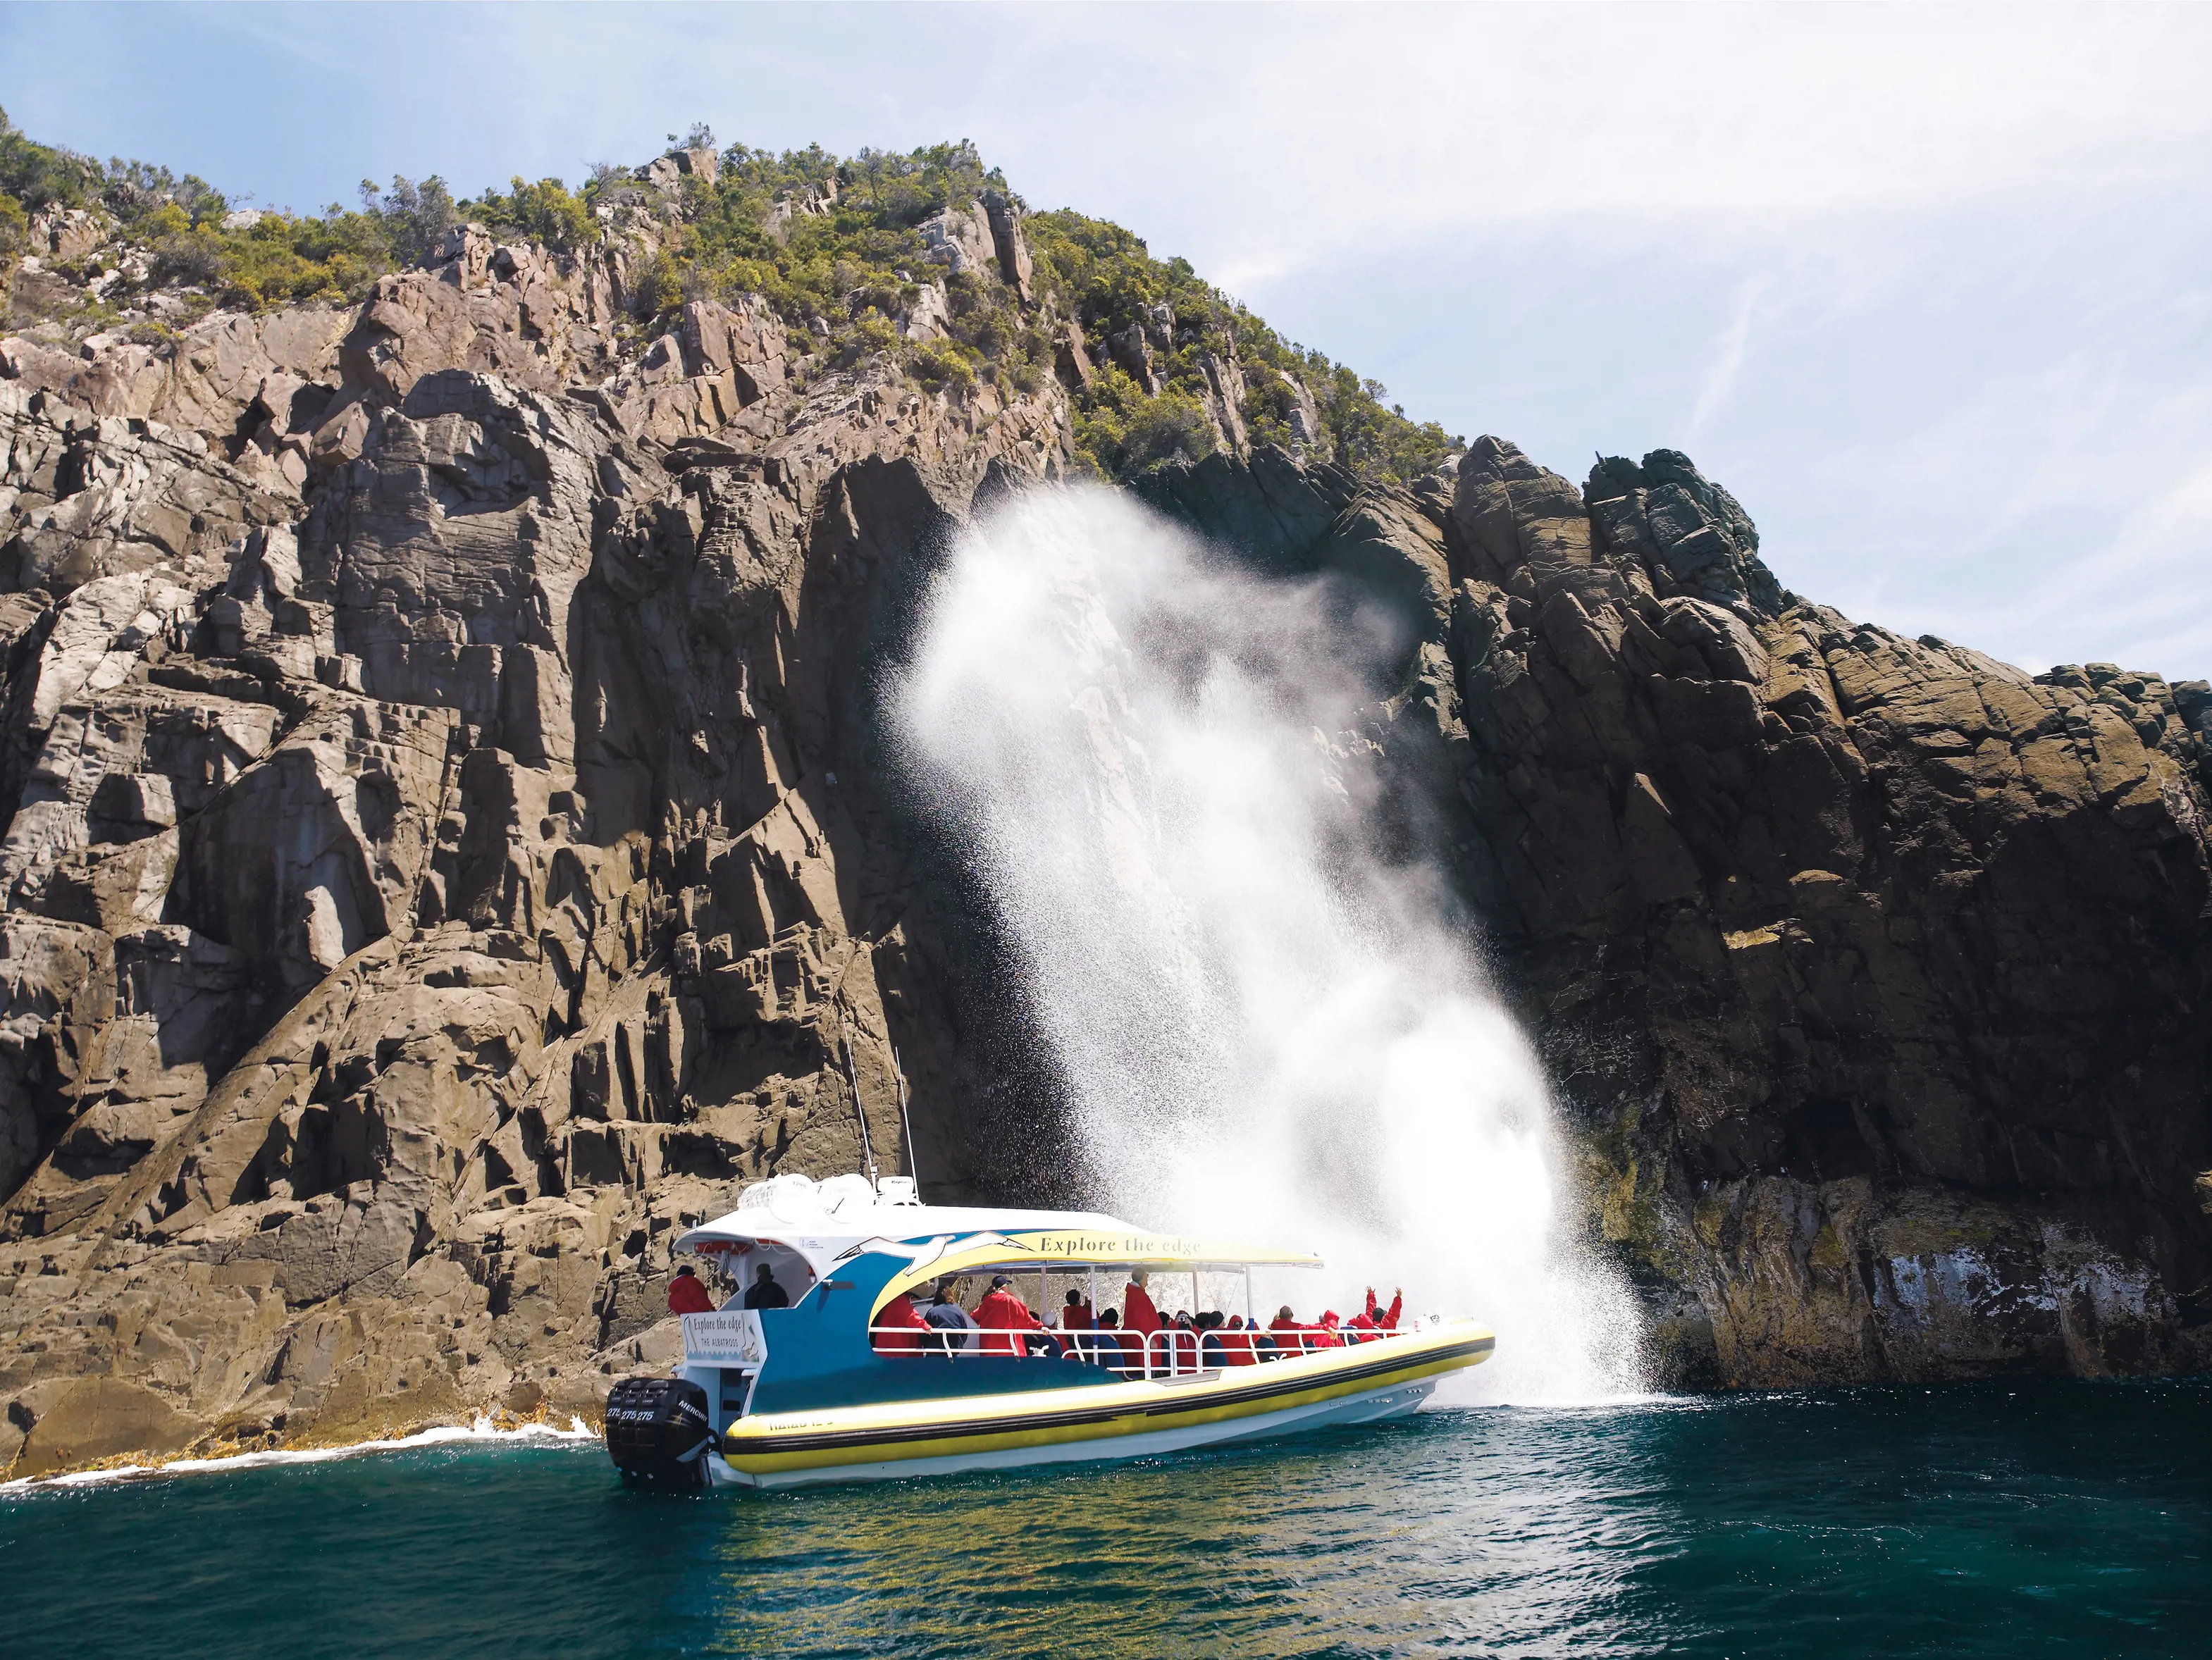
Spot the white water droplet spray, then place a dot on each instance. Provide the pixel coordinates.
(1268, 1030)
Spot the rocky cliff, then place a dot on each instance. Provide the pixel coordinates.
(1871, 970)
(450, 846)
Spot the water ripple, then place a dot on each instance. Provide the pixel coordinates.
(2054, 1519)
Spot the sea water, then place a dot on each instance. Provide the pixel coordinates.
(2026, 1519)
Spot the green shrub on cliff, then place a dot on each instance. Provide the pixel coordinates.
(15, 229)
(414, 218)
(1120, 431)
(40, 176)
(1113, 284)
(280, 259)
(543, 212)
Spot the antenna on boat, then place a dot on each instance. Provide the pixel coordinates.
(906, 1124)
(853, 1077)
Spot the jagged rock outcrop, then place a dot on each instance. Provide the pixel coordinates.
(450, 843)
(1872, 969)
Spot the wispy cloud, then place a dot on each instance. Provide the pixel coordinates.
(1728, 358)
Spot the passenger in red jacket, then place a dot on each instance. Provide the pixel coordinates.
(899, 1312)
(1138, 1314)
(1237, 1343)
(686, 1295)
(1001, 1311)
(1325, 1335)
(1290, 1336)
(1076, 1325)
(1075, 1314)
(1178, 1350)
(1381, 1319)
(1139, 1320)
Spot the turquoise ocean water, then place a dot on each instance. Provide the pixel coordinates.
(2006, 1520)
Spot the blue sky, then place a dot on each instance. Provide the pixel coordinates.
(1929, 288)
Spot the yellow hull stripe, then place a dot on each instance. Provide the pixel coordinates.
(878, 1434)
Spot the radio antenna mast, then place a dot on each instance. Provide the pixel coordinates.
(906, 1124)
(853, 1077)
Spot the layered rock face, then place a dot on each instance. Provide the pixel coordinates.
(450, 845)
(1871, 970)
(448, 850)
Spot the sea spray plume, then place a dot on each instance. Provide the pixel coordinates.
(1266, 1027)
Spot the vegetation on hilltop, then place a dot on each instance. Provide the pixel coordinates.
(849, 269)
(185, 235)
(833, 244)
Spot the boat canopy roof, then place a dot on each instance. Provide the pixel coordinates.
(826, 1222)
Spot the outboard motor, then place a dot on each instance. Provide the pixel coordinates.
(659, 1431)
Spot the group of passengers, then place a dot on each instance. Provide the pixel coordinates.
(1135, 1341)
(687, 1293)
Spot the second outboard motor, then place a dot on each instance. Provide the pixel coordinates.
(659, 1431)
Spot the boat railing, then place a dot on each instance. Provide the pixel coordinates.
(1170, 1351)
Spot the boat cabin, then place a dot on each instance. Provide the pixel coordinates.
(843, 1250)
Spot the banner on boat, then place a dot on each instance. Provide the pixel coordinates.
(730, 1337)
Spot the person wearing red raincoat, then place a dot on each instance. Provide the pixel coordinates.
(1237, 1343)
(1076, 1325)
(1290, 1336)
(899, 1312)
(1325, 1335)
(1377, 1316)
(1001, 1311)
(1181, 1345)
(686, 1295)
(1139, 1320)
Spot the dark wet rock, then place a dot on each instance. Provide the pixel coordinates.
(1871, 969)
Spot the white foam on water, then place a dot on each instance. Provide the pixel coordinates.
(1268, 1030)
(482, 1429)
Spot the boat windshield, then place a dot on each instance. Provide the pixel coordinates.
(741, 1262)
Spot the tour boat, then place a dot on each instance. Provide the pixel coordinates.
(824, 1390)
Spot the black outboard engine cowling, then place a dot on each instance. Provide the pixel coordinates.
(659, 1431)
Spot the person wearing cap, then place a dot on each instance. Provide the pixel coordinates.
(1002, 1311)
(686, 1295)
